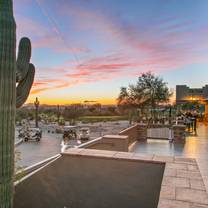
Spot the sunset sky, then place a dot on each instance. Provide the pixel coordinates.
(88, 49)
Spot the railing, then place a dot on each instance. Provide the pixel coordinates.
(175, 133)
(158, 133)
(26, 171)
(18, 142)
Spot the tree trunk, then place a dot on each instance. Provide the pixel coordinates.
(7, 101)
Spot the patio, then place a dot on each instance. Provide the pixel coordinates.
(100, 178)
(92, 180)
(183, 182)
(196, 146)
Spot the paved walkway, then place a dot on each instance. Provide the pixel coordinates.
(32, 152)
(196, 146)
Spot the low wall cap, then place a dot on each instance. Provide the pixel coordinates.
(115, 136)
(179, 126)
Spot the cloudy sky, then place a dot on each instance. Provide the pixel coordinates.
(88, 49)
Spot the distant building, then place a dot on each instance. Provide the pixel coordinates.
(185, 93)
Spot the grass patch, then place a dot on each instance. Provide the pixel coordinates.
(93, 119)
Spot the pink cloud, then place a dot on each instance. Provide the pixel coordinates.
(171, 42)
(167, 44)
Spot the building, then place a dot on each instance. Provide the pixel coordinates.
(185, 93)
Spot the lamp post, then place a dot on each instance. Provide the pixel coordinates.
(36, 103)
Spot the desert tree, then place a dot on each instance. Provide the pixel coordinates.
(72, 113)
(148, 92)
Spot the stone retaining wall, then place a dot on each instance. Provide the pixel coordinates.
(182, 184)
(108, 142)
(132, 133)
(179, 133)
(138, 132)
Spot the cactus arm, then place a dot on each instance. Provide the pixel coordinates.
(25, 72)
(7, 101)
(24, 86)
(23, 58)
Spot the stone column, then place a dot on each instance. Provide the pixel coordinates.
(142, 131)
(206, 111)
(179, 133)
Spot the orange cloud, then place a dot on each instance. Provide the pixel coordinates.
(51, 84)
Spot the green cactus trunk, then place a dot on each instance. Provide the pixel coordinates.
(7, 101)
(12, 95)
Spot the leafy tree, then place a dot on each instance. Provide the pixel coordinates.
(148, 92)
(123, 98)
(21, 113)
(58, 113)
(72, 112)
(97, 106)
(112, 110)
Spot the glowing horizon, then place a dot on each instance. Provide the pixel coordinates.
(87, 50)
(49, 101)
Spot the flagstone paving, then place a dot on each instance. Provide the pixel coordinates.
(196, 146)
(182, 185)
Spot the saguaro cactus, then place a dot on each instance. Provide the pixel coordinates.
(58, 113)
(36, 104)
(16, 78)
